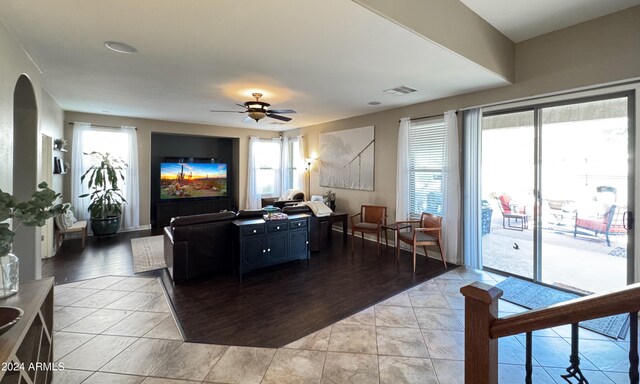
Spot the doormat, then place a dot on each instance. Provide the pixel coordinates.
(533, 296)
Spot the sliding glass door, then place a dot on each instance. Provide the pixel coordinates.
(557, 180)
(507, 189)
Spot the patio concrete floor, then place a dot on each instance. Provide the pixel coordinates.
(584, 262)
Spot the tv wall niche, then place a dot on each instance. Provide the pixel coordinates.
(189, 149)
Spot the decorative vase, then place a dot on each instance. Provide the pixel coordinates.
(8, 275)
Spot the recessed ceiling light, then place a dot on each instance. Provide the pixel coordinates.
(120, 47)
(400, 90)
(374, 103)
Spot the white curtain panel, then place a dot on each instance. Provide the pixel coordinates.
(285, 178)
(253, 197)
(451, 218)
(299, 181)
(472, 135)
(131, 187)
(402, 171)
(77, 159)
(279, 169)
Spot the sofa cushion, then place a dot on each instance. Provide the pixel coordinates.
(296, 209)
(203, 218)
(250, 214)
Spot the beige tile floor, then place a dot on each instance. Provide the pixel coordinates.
(120, 330)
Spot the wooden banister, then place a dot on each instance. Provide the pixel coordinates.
(483, 328)
(624, 300)
(481, 350)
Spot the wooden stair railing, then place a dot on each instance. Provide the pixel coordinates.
(483, 328)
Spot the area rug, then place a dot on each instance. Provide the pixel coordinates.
(148, 253)
(534, 296)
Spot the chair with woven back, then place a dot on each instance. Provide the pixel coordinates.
(372, 218)
(428, 232)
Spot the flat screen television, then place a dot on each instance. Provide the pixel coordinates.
(192, 180)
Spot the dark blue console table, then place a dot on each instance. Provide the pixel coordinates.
(261, 243)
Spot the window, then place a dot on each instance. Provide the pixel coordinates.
(267, 157)
(292, 164)
(426, 163)
(275, 166)
(120, 143)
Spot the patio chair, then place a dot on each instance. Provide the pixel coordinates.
(504, 202)
(428, 233)
(611, 223)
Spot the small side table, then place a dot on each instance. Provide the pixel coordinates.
(395, 227)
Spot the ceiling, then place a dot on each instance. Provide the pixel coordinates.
(325, 59)
(523, 19)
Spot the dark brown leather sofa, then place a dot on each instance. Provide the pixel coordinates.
(198, 245)
(267, 201)
(201, 245)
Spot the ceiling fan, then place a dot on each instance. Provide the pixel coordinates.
(258, 110)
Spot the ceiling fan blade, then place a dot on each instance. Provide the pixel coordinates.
(247, 119)
(282, 111)
(215, 110)
(241, 105)
(278, 117)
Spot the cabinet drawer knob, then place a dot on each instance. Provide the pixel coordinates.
(278, 227)
(268, 249)
(263, 251)
(254, 231)
(306, 242)
(299, 224)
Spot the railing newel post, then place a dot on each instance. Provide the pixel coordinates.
(481, 350)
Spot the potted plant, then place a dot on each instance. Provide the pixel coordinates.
(106, 197)
(329, 199)
(60, 144)
(31, 213)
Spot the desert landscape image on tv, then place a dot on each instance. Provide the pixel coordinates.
(192, 180)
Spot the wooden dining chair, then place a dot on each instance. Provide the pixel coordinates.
(428, 232)
(371, 220)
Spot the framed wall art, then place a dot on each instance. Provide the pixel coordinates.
(347, 159)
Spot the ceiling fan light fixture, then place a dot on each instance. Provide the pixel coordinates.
(257, 115)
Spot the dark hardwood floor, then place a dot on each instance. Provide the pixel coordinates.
(100, 257)
(271, 307)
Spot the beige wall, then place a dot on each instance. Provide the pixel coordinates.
(455, 27)
(146, 127)
(51, 124)
(14, 62)
(596, 52)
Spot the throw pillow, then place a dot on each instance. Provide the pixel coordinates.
(65, 220)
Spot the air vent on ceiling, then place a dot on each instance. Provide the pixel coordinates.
(400, 90)
(277, 123)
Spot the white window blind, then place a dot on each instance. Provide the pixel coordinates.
(426, 161)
